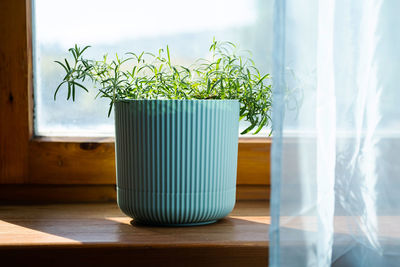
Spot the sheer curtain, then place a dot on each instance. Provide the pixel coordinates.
(335, 197)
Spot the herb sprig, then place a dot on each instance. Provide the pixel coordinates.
(227, 75)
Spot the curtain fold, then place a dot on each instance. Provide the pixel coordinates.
(335, 197)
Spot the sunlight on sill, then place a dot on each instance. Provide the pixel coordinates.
(14, 234)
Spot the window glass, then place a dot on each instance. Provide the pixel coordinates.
(188, 27)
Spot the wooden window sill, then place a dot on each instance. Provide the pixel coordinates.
(57, 194)
(89, 234)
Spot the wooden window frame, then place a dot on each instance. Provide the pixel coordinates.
(68, 165)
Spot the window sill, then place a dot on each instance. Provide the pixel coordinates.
(55, 194)
(100, 234)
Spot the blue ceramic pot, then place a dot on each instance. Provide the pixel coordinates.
(176, 160)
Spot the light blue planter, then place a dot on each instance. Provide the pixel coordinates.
(176, 160)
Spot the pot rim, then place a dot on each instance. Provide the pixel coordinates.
(177, 100)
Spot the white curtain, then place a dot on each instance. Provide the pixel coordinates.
(335, 197)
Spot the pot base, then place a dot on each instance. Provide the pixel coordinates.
(176, 209)
(134, 222)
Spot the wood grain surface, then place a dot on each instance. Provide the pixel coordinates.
(76, 161)
(88, 234)
(254, 161)
(15, 90)
(72, 162)
(55, 193)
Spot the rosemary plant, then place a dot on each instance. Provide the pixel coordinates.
(227, 75)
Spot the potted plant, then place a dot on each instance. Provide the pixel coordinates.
(176, 128)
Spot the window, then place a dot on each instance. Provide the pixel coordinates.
(188, 27)
(69, 168)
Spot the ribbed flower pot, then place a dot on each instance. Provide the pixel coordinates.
(176, 160)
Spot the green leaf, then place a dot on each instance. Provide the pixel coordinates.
(73, 91)
(262, 124)
(69, 91)
(208, 86)
(169, 58)
(264, 77)
(110, 109)
(68, 67)
(58, 88)
(80, 85)
(73, 53)
(65, 68)
(248, 129)
(83, 50)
